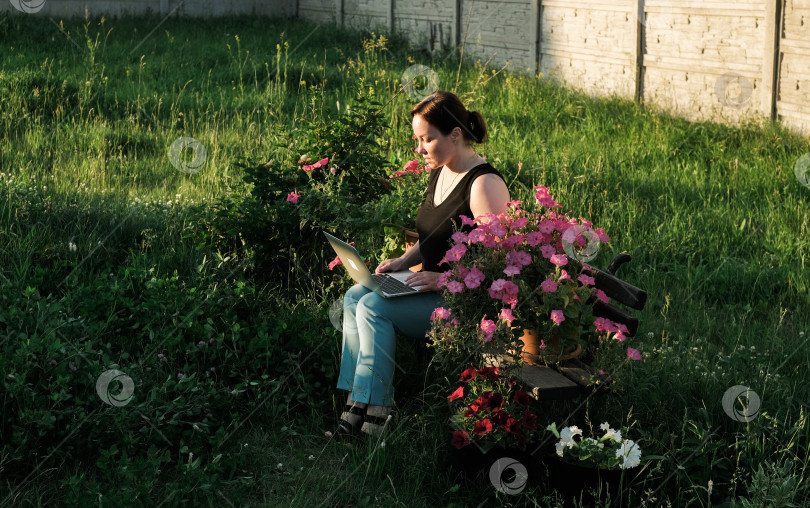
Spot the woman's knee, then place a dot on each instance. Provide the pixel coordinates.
(354, 294)
(371, 303)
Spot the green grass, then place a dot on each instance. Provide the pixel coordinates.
(713, 216)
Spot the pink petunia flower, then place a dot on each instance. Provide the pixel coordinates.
(603, 237)
(546, 226)
(440, 312)
(633, 354)
(544, 199)
(518, 257)
(564, 275)
(602, 297)
(534, 238)
(557, 316)
(488, 327)
(511, 270)
(455, 286)
(519, 222)
(411, 166)
(476, 236)
(474, 278)
(549, 286)
(504, 290)
(455, 253)
(559, 260)
(334, 263)
(547, 251)
(459, 237)
(586, 280)
(466, 221)
(293, 197)
(506, 315)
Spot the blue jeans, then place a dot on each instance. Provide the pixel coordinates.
(369, 341)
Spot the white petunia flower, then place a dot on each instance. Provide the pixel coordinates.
(568, 433)
(560, 447)
(630, 453)
(605, 426)
(616, 435)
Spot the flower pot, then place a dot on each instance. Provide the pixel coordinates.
(410, 239)
(508, 469)
(534, 355)
(586, 485)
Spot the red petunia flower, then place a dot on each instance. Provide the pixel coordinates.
(512, 425)
(521, 398)
(468, 374)
(482, 427)
(491, 373)
(501, 417)
(492, 401)
(456, 394)
(460, 439)
(530, 420)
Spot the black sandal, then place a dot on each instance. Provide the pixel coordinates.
(380, 422)
(347, 431)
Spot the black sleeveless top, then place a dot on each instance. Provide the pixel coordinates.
(433, 223)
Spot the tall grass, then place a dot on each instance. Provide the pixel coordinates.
(712, 215)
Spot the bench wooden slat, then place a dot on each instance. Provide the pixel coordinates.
(545, 383)
(541, 383)
(616, 314)
(576, 371)
(620, 290)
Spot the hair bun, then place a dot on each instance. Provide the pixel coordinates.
(476, 127)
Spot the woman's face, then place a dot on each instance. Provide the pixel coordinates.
(436, 148)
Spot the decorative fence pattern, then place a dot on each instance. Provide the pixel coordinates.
(699, 59)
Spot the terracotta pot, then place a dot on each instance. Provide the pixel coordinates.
(410, 239)
(532, 353)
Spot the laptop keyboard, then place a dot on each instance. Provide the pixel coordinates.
(391, 285)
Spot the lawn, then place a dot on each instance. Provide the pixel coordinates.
(110, 259)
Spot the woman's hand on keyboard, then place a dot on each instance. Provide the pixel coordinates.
(425, 279)
(389, 265)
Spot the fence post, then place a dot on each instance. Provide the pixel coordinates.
(770, 58)
(534, 49)
(639, 32)
(457, 23)
(339, 12)
(391, 6)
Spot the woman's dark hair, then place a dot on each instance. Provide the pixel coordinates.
(445, 111)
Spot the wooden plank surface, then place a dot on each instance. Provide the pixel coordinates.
(541, 383)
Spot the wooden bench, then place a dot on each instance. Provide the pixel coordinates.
(572, 378)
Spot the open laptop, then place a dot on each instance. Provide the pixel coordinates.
(387, 285)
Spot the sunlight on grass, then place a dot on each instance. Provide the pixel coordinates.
(713, 216)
